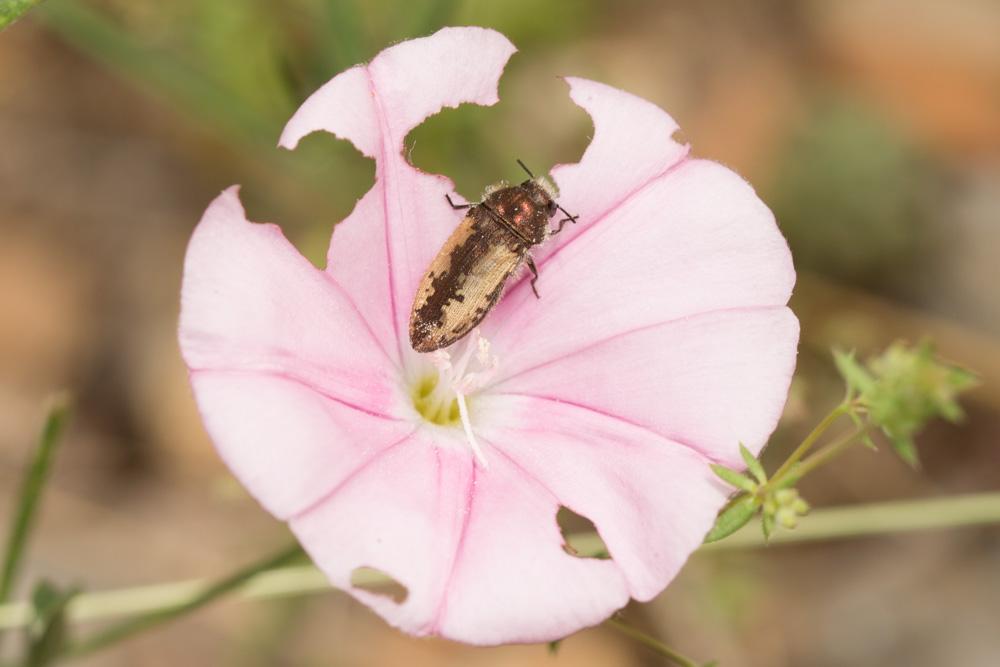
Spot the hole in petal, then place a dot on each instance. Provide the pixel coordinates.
(319, 159)
(376, 581)
(449, 137)
(580, 536)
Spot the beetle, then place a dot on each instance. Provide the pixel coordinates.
(493, 240)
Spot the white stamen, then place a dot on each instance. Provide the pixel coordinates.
(441, 361)
(462, 382)
(463, 412)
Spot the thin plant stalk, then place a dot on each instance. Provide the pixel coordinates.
(135, 626)
(26, 507)
(650, 642)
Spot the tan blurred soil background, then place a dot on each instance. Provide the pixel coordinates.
(871, 127)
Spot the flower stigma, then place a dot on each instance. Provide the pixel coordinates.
(442, 399)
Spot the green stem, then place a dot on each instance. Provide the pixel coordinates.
(825, 454)
(31, 491)
(127, 629)
(811, 439)
(870, 519)
(800, 451)
(651, 642)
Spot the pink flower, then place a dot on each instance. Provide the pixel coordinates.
(660, 342)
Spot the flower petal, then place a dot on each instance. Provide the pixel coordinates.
(651, 499)
(694, 240)
(404, 219)
(287, 443)
(708, 381)
(250, 302)
(479, 551)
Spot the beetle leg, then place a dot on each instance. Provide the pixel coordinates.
(534, 276)
(456, 206)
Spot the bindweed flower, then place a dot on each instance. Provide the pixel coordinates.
(661, 340)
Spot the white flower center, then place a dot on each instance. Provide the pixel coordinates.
(443, 399)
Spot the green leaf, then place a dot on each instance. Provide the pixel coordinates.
(553, 647)
(12, 10)
(30, 493)
(732, 518)
(733, 478)
(753, 465)
(166, 71)
(47, 636)
(857, 378)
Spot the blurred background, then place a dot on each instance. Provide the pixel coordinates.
(872, 128)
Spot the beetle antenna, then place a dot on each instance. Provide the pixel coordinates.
(572, 218)
(530, 175)
(562, 223)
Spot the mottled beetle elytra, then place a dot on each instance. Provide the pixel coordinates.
(492, 241)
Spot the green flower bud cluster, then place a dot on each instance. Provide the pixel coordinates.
(896, 393)
(777, 503)
(903, 389)
(784, 507)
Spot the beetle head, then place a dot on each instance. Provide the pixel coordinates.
(542, 194)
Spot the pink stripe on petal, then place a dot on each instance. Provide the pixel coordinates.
(712, 380)
(512, 580)
(403, 515)
(289, 445)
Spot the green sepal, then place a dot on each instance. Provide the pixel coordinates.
(553, 646)
(732, 518)
(767, 525)
(753, 465)
(858, 380)
(866, 439)
(733, 478)
(906, 449)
